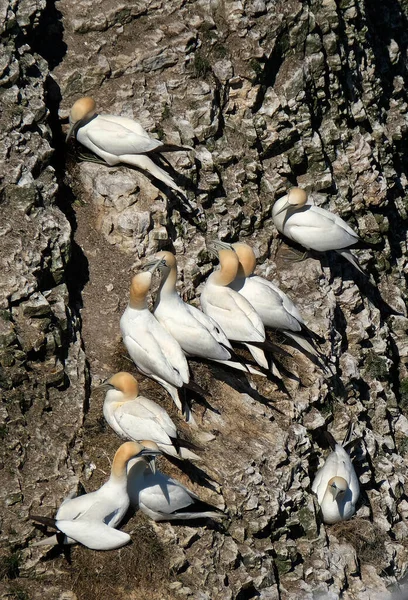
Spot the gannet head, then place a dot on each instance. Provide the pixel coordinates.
(296, 198)
(139, 288)
(153, 450)
(81, 109)
(229, 263)
(130, 450)
(337, 487)
(125, 383)
(168, 259)
(246, 257)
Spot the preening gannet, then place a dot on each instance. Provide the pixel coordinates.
(153, 350)
(313, 227)
(90, 519)
(135, 417)
(118, 139)
(163, 498)
(197, 333)
(272, 305)
(336, 485)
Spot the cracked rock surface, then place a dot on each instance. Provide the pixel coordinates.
(270, 95)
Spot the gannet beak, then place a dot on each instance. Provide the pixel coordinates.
(70, 131)
(104, 384)
(285, 207)
(153, 265)
(216, 245)
(151, 458)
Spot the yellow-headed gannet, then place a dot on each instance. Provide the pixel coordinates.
(153, 350)
(276, 310)
(313, 227)
(90, 519)
(336, 485)
(237, 317)
(135, 417)
(118, 139)
(197, 333)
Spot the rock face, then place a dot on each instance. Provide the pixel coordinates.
(270, 95)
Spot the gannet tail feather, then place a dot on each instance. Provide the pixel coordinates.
(345, 253)
(146, 163)
(170, 148)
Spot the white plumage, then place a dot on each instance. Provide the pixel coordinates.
(90, 519)
(197, 333)
(313, 227)
(154, 351)
(336, 486)
(163, 498)
(137, 418)
(118, 139)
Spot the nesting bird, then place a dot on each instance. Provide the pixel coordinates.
(275, 308)
(153, 350)
(313, 227)
(197, 333)
(135, 417)
(118, 139)
(91, 519)
(163, 498)
(336, 484)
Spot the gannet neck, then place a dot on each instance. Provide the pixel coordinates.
(246, 257)
(125, 383)
(138, 290)
(169, 273)
(229, 264)
(125, 452)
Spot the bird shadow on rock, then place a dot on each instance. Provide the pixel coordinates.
(190, 213)
(240, 383)
(194, 473)
(366, 288)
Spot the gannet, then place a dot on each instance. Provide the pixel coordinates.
(336, 485)
(163, 498)
(153, 350)
(313, 227)
(237, 317)
(90, 519)
(274, 307)
(135, 417)
(118, 139)
(197, 333)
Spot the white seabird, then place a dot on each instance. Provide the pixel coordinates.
(118, 139)
(91, 519)
(137, 418)
(336, 485)
(275, 308)
(197, 333)
(237, 317)
(313, 227)
(153, 350)
(163, 498)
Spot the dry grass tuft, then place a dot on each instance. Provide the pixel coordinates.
(366, 537)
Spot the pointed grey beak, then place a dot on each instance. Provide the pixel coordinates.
(216, 245)
(70, 131)
(151, 458)
(104, 384)
(153, 265)
(287, 205)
